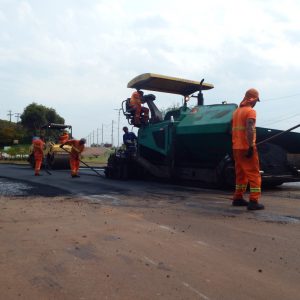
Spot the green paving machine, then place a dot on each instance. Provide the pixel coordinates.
(194, 144)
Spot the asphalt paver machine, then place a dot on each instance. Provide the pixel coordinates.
(194, 143)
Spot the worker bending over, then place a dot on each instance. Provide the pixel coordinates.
(38, 153)
(64, 137)
(136, 101)
(245, 152)
(77, 149)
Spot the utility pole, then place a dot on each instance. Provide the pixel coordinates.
(112, 133)
(102, 135)
(118, 109)
(10, 115)
(97, 137)
(17, 116)
(93, 137)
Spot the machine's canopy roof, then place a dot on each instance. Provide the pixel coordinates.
(56, 126)
(167, 84)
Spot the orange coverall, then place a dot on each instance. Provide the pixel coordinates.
(38, 146)
(63, 138)
(246, 169)
(75, 155)
(136, 104)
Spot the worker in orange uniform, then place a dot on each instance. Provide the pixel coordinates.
(77, 149)
(136, 104)
(64, 137)
(38, 147)
(245, 152)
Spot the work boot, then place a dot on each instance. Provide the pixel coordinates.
(37, 174)
(240, 202)
(254, 205)
(75, 176)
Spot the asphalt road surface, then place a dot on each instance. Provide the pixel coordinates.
(94, 238)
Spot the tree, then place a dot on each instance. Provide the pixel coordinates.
(10, 131)
(174, 106)
(7, 135)
(36, 115)
(53, 117)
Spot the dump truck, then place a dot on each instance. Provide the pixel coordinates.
(194, 143)
(54, 156)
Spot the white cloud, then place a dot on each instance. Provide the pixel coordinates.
(24, 11)
(2, 16)
(78, 56)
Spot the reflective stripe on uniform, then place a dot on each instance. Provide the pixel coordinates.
(239, 128)
(240, 186)
(255, 190)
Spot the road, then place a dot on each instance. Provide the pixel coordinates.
(94, 238)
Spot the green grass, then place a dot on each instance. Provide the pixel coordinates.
(101, 160)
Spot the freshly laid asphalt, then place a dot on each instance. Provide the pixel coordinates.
(60, 183)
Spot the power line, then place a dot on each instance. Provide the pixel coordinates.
(280, 120)
(119, 111)
(17, 115)
(10, 115)
(112, 132)
(282, 97)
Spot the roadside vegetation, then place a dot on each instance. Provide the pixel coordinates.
(33, 117)
(20, 153)
(98, 159)
(15, 153)
(15, 138)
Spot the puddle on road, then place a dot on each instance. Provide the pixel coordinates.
(11, 188)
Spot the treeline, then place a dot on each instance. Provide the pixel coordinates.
(9, 132)
(33, 118)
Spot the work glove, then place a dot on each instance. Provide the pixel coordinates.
(249, 152)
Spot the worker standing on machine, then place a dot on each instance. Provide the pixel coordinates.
(64, 137)
(77, 149)
(38, 152)
(245, 153)
(136, 101)
(129, 140)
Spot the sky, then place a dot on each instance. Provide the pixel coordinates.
(77, 56)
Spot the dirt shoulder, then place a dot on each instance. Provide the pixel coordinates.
(155, 247)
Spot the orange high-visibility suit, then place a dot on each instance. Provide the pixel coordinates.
(246, 168)
(38, 146)
(77, 149)
(136, 104)
(63, 138)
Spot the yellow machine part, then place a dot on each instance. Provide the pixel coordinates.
(167, 84)
(57, 158)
